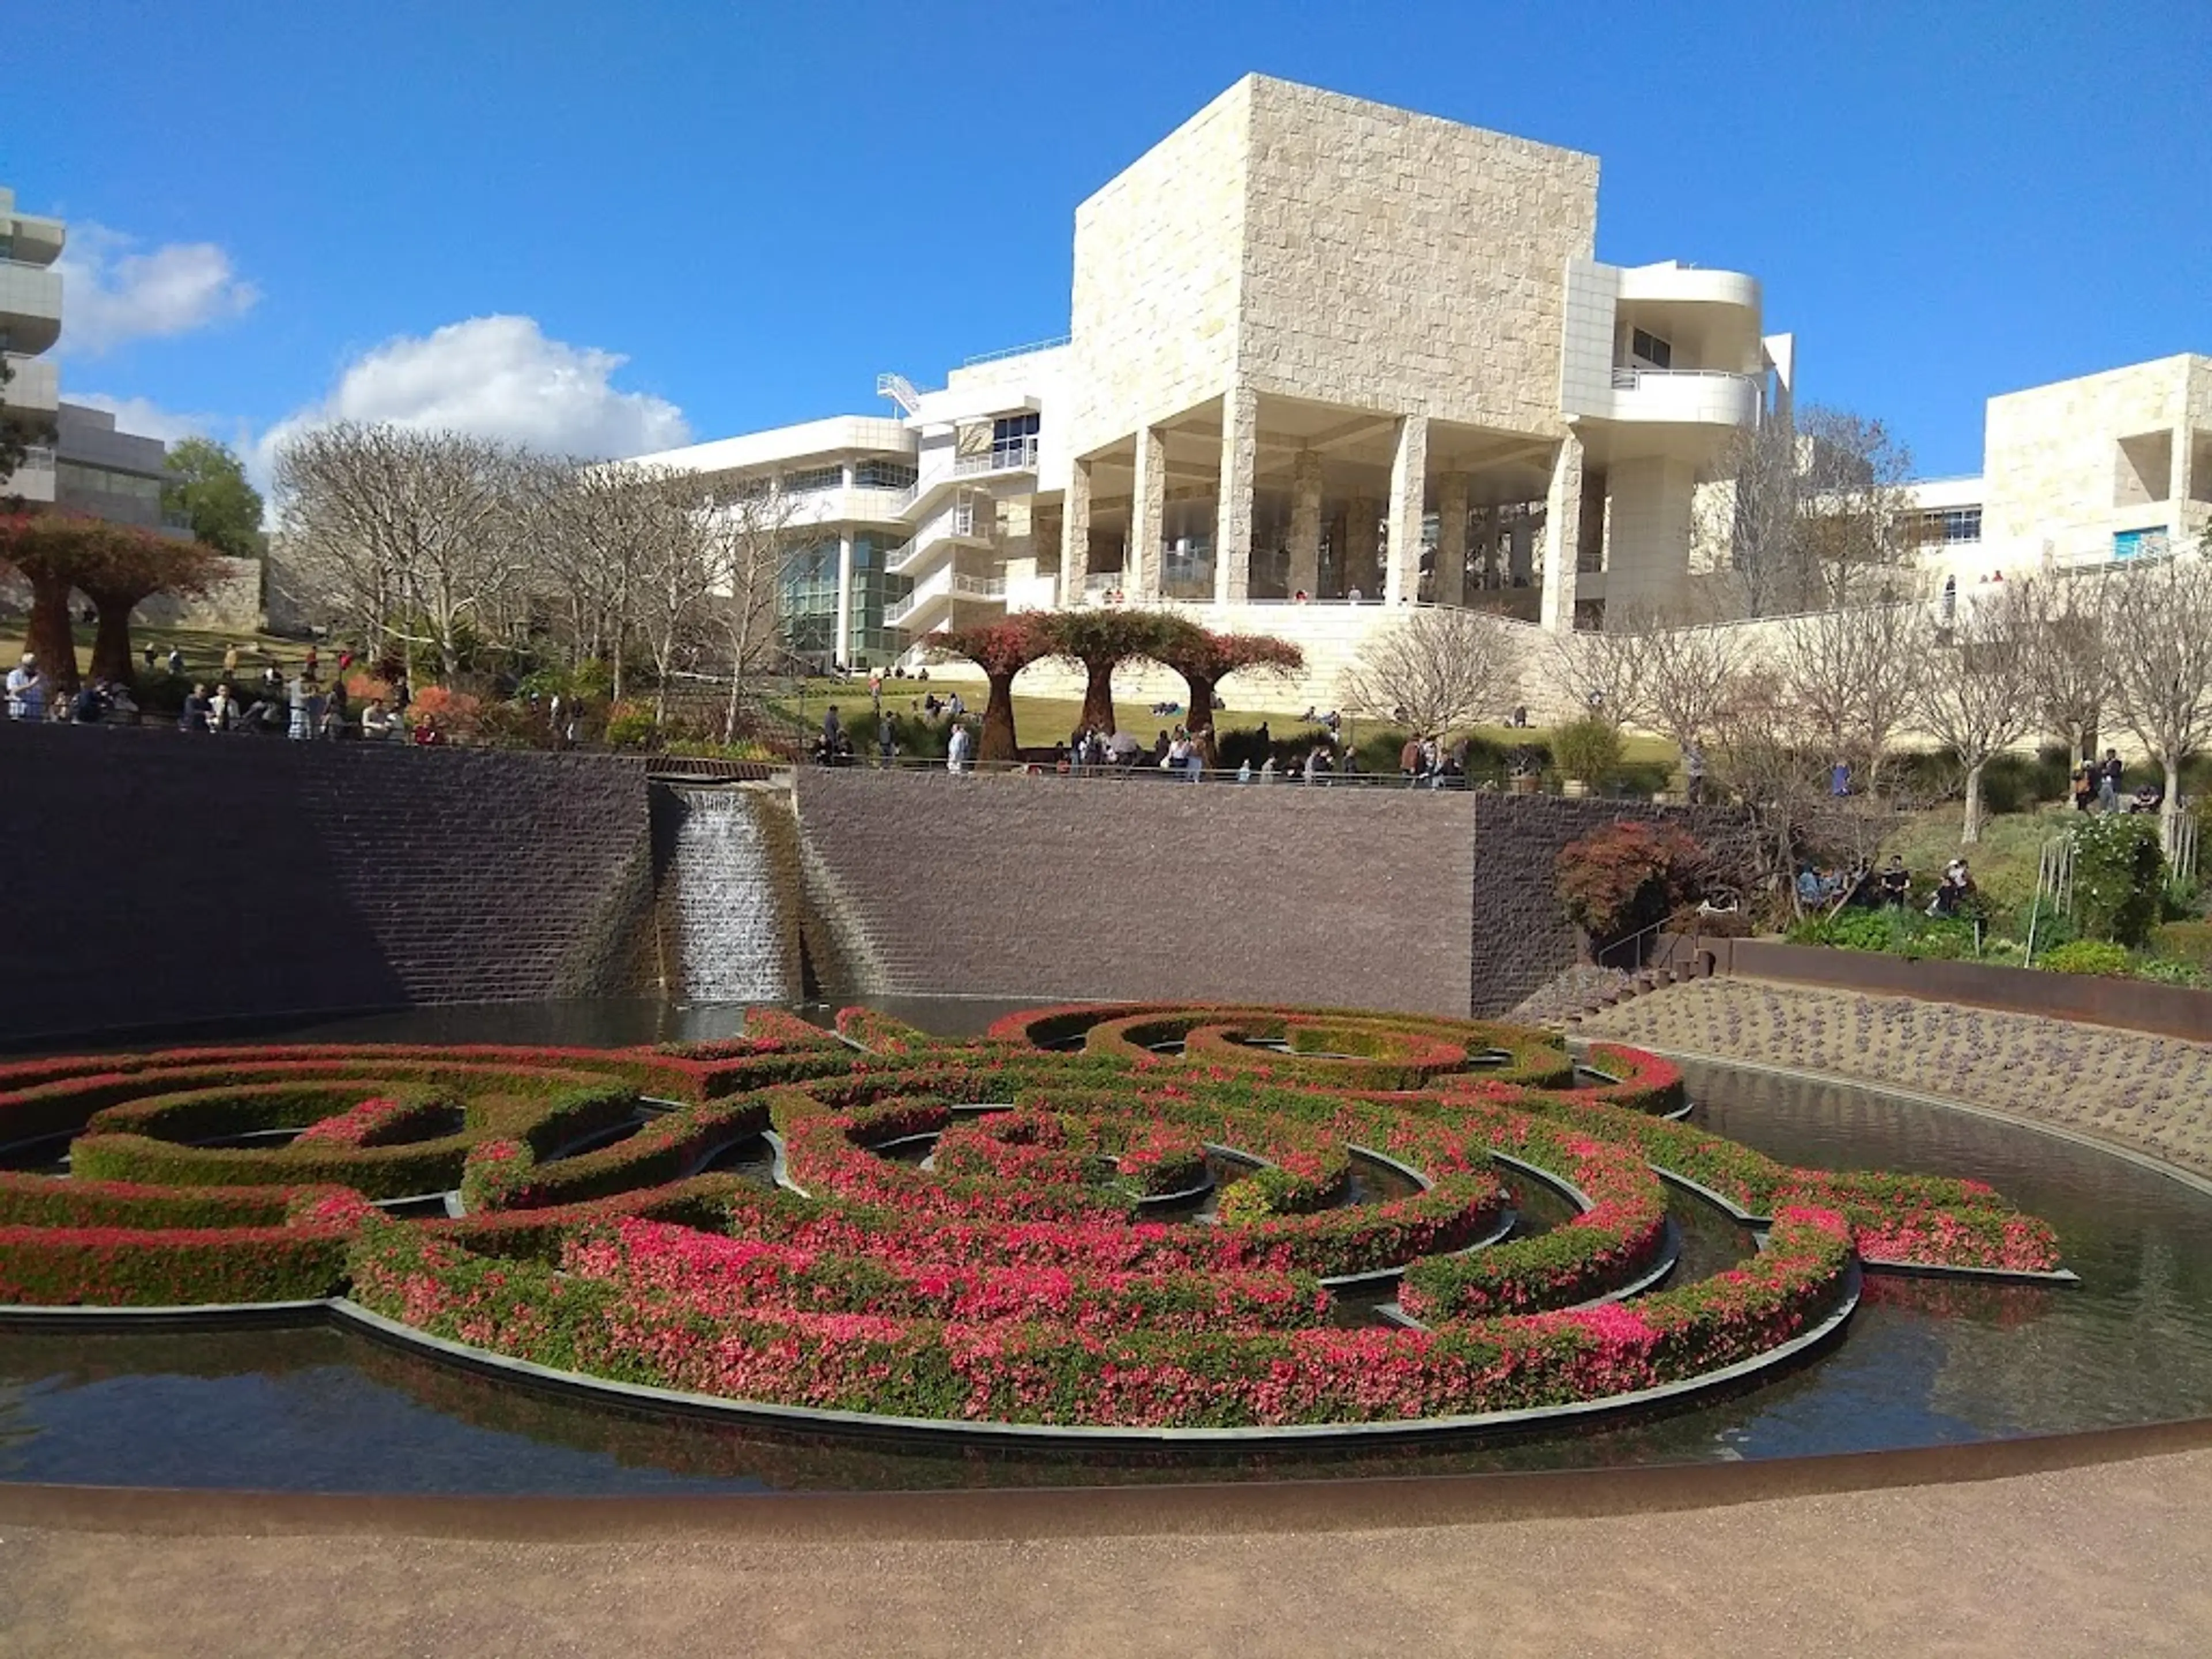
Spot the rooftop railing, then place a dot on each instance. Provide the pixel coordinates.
(1004, 352)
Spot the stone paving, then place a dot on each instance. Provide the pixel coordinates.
(2152, 1093)
(2111, 1558)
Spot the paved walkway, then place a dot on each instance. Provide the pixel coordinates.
(2151, 1093)
(2106, 1559)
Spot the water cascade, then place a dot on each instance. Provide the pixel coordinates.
(733, 919)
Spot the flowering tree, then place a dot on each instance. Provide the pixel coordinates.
(1206, 659)
(115, 566)
(1102, 640)
(1001, 649)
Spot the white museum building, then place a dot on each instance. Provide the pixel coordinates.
(1326, 360)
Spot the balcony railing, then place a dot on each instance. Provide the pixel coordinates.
(1627, 378)
(1016, 457)
(955, 586)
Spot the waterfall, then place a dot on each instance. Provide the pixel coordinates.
(735, 866)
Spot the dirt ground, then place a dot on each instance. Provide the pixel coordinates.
(2047, 1557)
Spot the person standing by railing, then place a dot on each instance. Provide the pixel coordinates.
(956, 750)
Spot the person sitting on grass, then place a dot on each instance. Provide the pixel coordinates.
(1896, 882)
(2148, 798)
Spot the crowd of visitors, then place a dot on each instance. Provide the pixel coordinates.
(267, 702)
(1890, 887)
(2100, 786)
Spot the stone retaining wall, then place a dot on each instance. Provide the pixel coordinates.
(158, 879)
(1047, 887)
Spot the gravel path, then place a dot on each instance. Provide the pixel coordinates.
(2149, 1092)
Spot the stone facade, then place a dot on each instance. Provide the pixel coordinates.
(161, 879)
(1045, 888)
(1398, 262)
(1158, 271)
(2068, 465)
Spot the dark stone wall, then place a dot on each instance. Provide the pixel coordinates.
(1522, 935)
(155, 878)
(1047, 888)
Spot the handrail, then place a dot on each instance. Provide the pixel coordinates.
(1625, 376)
(1004, 352)
(1016, 458)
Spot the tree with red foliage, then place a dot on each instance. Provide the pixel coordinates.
(1627, 876)
(115, 566)
(1104, 638)
(1206, 659)
(1001, 649)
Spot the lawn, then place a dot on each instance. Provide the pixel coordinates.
(204, 650)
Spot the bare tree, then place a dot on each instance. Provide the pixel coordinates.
(1442, 670)
(2162, 674)
(2067, 624)
(1852, 678)
(1975, 691)
(1812, 513)
(1668, 669)
(589, 521)
(676, 565)
(419, 529)
(1767, 760)
(749, 538)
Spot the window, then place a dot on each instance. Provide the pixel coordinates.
(1013, 440)
(743, 490)
(2149, 543)
(883, 475)
(1951, 524)
(808, 480)
(1659, 353)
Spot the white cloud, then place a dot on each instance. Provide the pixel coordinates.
(112, 295)
(495, 377)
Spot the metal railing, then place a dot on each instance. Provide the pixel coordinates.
(1004, 352)
(1018, 457)
(900, 390)
(1144, 768)
(1627, 379)
(955, 586)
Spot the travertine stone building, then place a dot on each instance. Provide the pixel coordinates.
(2078, 477)
(1323, 353)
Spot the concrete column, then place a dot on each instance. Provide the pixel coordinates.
(2181, 479)
(1451, 539)
(842, 651)
(1075, 536)
(1562, 528)
(1520, 553)
(1409, 500)
(1148, 512)
(1357, 564)
(1306, 523)
(1232, 512)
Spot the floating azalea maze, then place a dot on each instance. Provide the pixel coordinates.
(1094, 1222)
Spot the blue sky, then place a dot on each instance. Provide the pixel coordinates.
(283, 210)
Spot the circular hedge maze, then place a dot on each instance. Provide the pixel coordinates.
(1096, 1219)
